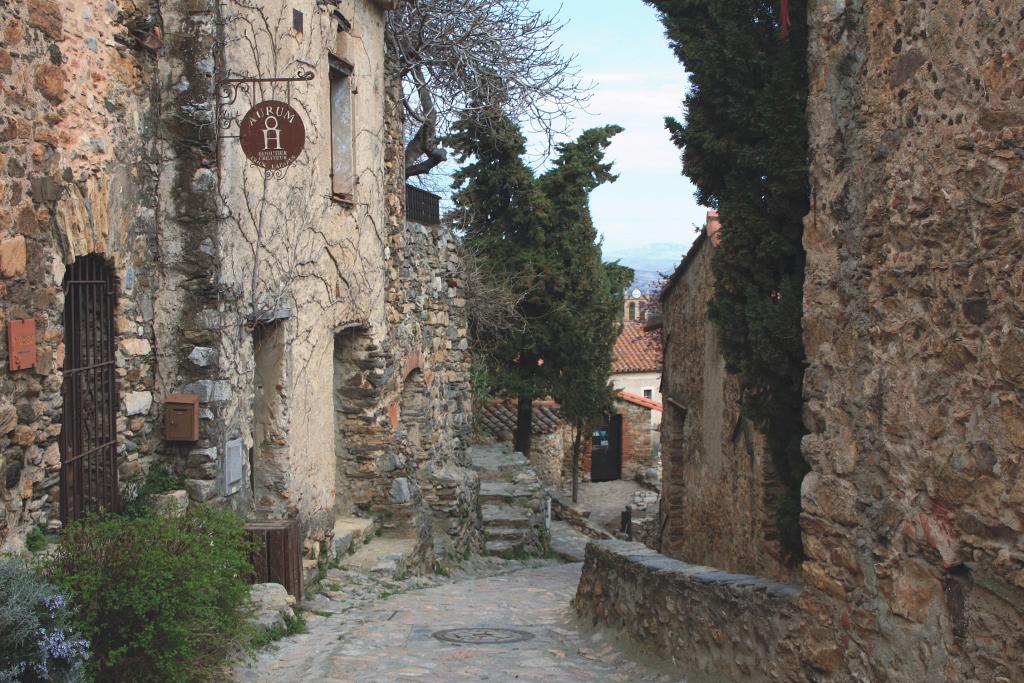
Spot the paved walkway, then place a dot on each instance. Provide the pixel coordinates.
(391, 640)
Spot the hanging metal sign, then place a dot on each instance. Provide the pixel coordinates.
(271, 132)
(272, 135)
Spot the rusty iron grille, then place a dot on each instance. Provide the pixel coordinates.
(422, 206)
(88, 438)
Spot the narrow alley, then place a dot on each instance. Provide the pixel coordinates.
(373, 341)
(514, 627)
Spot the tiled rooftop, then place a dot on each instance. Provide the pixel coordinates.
(499, 416)
(640, 401)
(637, 350)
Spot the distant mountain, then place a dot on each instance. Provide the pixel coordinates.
(649, 260)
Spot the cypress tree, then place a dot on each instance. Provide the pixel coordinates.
(744, 146)
(539, 233)
(586, 318)
(502, 213)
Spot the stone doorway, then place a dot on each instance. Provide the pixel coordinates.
(355, 398)
(88, 438)
(269, 462)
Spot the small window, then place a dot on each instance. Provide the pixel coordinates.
(297, 20)
(632, 311)
(648, 393)
(342, 166)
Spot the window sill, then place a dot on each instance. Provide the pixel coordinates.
(343, 199)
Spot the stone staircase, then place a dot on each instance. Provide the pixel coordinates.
(365, 546)
(350, 532)
(513, 504)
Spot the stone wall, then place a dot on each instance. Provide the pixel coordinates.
(718, 485)
(637, 441)
(913, 329)
(78, 154)
(323, 335)
(551, 456)
(714, 626)
(433, 411)
(551, 441)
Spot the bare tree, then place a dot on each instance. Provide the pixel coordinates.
(460, 56)
(493, 301)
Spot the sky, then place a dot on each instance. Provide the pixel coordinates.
(621, 47)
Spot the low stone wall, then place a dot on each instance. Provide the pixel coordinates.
(712, 624)
(549, 454)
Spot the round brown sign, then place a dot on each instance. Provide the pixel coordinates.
(272, 135)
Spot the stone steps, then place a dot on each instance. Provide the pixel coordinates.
(512, 502)
(383, 555)
(504, 492)
(506, 549)
(508, 533)
(350, 531)
(505, 515)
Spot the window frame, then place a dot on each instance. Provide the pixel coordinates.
(341, 70)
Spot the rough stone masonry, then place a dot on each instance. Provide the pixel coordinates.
(321, 332)
(914, 510)
(719, 487)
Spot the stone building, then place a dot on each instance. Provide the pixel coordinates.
(550, 442)
(639, 415)
(718, 481)
(552, 439)
(636, 362)
(914, 510)
(321, 334)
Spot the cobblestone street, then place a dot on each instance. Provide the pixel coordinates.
(392, 639)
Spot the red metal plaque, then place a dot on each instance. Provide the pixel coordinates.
(21, 344)
(272, 135)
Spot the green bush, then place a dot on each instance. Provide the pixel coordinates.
(37, 642)
(160, 599)
(293, 625)
(139, 500)
(35, 540)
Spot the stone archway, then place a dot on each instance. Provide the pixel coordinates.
(88, 437)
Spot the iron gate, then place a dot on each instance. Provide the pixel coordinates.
(88, 438)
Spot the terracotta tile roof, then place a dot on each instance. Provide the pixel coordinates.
(637, 350)
(640, 401)
(499, 416)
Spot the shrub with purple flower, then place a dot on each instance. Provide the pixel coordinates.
(37, 641)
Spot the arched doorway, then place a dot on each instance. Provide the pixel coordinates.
(88, 438)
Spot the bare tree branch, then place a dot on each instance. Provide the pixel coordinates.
(493, 302)
(461, 56)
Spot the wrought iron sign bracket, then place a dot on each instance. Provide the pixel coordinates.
(227, 95)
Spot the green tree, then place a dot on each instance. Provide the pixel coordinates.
(587, 299)
(584, 391)
(539, 234)
(502, 213)
(744, 145)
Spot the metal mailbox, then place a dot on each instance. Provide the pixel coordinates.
(181, 417)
